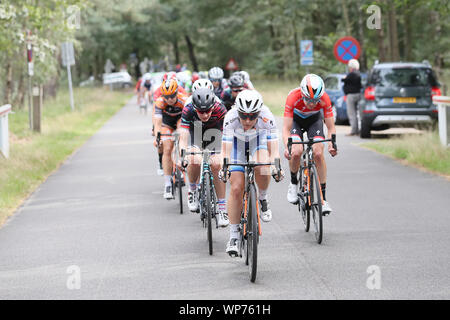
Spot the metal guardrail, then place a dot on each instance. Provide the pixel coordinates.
(443, 104)
(4, 130)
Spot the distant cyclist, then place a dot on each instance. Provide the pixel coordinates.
(249, 126)
(145, 92)
(236, 85)
(201, 122)
(247, 83)
(168, 109)
(302, 113)
(215, 75)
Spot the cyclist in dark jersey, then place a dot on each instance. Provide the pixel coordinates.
(236, 85)
(201, 128)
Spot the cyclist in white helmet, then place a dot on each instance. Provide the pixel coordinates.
(248, 126)
(215, 75)
(202, 83)
(302, 113)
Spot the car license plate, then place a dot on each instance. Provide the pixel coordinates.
(404, 99)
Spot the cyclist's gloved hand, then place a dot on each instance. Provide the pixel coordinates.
(224, 176)
(277, 176)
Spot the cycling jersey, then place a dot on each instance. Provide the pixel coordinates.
(252, 140)
(170, 113)
(198, 128)
(306, 119)
(223, 85)
(138, 84)
(297, 109)
(227, 98)
(147, 85)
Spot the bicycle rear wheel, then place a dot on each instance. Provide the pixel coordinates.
(209, 210)
(303, 205)
(252, 233)
(316, 204)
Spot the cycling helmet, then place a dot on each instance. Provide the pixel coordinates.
(169, 87)
(170, 75)
(147, 77)
(312, 86)
(245, 75)
(195, 77)
(235, 81)
(215, 74)
(249, 101)
(202, 83)
(203, 99)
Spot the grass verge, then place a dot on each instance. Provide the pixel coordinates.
(275, 92)
(424, 151)
(34, 156)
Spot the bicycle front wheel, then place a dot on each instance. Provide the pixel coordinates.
(252, 233)
(209, 210)
(316, 204)
(303, 205)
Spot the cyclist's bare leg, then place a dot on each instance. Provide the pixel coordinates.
(319, 159)
(220, 186)
(167, 156)
(193, 169)
(234, 203)
(296, 153)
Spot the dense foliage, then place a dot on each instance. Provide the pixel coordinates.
(261, 35)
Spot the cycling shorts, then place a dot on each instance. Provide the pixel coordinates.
(312, 125)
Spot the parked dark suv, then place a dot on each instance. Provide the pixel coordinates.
(398, 94)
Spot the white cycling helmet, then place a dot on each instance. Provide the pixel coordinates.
(215, 73)
(202, 83)
(312, 86)
(245, 75)
(147, 77)
(249, 101)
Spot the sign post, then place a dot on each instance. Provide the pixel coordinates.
(347, 48)
(68, 59)
(231, 65)
(306, 53)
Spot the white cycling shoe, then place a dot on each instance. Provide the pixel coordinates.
(233, 247)
(266, 213)
(168, 193)
(292, 196)
(192, 201)
(222, 219)
(326, 209)
(160, 172)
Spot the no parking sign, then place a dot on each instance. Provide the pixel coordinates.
(347, 48)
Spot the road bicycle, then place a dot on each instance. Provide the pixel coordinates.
(207, 197)
(250, 225)
(309, 191)
(178, 180)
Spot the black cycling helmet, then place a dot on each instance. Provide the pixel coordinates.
(203, 99)
(235, 81)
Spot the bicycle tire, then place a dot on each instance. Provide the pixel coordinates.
(303, 206)
(180, 189)
(253, 233)
(208, 207)
(316, 204)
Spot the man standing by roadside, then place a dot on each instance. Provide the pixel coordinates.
(352, 90)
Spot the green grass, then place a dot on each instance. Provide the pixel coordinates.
(423, 150)
(275, 92)
(34, 156)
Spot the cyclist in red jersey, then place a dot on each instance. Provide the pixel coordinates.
(302, 113)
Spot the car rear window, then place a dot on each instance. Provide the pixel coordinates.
(332, 83)
(403, 77)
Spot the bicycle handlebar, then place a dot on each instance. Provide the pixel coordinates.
(310, 142)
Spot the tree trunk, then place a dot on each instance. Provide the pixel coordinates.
(191, 52)
(9, 82)
(348, 27)
(19, 98)
(176, 51)
(408, 35)
(438, 57)
(363, 59)
(393, 34)
(381, 45)
(296, 44)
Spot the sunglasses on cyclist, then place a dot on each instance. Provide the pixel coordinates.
(204, 111)
(170, 96)
(309, 100)
(237, 89)
(250, 116)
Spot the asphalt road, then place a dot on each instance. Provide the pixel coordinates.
(98, 228)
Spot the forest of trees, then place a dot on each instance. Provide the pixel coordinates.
(261, 35)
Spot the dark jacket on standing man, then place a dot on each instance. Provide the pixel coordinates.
(352, 83)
